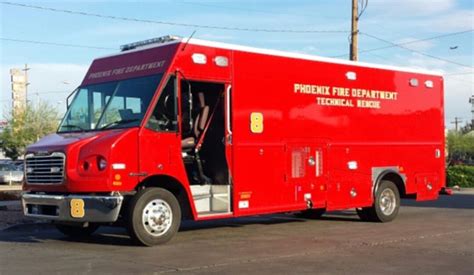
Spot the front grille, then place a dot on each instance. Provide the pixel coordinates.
(45, 169)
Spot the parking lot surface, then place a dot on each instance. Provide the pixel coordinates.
(430, 237)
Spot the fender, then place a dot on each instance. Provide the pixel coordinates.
(378, 173)
(175, 186)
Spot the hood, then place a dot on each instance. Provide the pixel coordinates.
(59, 142)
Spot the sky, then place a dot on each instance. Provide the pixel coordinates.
(58, 70)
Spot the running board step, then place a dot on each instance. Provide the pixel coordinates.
(209, 199)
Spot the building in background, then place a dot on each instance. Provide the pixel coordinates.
(19, 81)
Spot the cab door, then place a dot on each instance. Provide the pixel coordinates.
(228, 130)
(159, 142)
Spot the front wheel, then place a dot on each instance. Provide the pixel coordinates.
(386, 204)
(154, 216)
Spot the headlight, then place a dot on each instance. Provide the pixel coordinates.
(101, 163)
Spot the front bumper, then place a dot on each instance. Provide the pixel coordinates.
(72, 208)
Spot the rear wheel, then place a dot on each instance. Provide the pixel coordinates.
(77, 231)
(154, 216)
(386, 204)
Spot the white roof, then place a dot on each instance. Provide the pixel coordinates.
(194, 41)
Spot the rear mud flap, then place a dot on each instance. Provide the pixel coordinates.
(427, 187)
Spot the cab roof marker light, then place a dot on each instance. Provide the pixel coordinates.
(118, 166)
(158, 40)
(221, 61)
(414, 82)
(199, 58)
(351, 75)
(429, 84)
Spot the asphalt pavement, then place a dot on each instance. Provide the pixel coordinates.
(426, 238)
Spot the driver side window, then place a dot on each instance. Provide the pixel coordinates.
(165, 113)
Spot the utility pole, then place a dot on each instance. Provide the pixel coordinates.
(354, 30)
(456, 122)
(471, 100)
(26, 69)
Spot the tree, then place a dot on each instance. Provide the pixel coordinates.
(27, 127)
(467, 128)
(460, 147)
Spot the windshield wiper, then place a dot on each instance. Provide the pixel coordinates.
(73, 126)
(118, 122)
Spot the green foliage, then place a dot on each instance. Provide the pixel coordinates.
(467, 128)
(27, 127)
(460, 147)
(461, 175)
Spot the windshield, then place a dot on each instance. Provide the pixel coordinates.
(118, 104)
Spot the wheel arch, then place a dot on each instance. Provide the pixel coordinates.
(391, 174)
(174, 186)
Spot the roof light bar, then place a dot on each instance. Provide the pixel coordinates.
(158, 40)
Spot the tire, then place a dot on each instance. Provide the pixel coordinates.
(312, 213)
(159, 228)
(386, 204)
(77, 231)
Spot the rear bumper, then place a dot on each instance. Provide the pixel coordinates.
(58, 207)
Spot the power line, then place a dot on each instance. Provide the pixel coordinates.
(415, 51)
(454, 78)
(55, 44)
(238, 8)
(362, 7)
(50, 92)
(166, 22)
(463, 73)
(410, 42)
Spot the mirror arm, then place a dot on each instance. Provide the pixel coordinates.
(72, 93)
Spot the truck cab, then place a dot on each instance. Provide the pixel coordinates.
(141, 131)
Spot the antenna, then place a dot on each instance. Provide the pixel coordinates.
(188, 40)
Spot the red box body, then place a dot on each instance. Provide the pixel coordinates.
(330, 129)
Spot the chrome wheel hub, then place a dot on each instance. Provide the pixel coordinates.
(387, 202)
(157, 217)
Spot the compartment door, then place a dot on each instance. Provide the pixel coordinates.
(306, 174)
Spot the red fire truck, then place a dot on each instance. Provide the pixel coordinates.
(171, 129)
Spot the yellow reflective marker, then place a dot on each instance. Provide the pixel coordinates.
(256, 123)
(77, 208)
